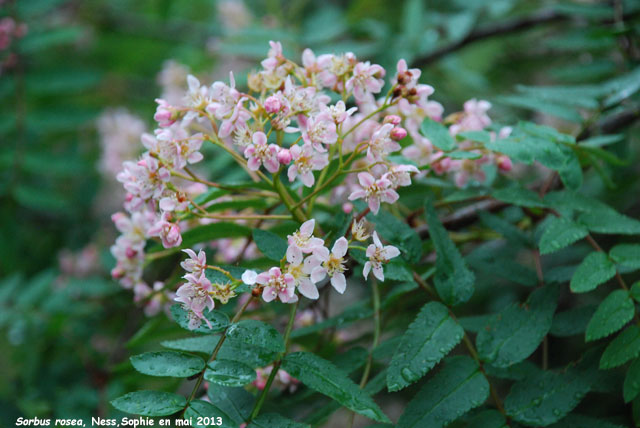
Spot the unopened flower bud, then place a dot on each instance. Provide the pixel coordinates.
(347, 207)
(504, 163)
(272, 105)
(284, 156)
(393, 119)
(130, 253)
(398, 133)
(165, 114)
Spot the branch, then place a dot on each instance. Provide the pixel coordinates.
(511, 26)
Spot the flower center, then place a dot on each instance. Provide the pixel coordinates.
(334, 265)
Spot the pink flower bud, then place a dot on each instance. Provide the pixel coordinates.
(117, 273)
(284, 156)
(393, 119)
(504, 163)
(130, 253)
(347, 207)
(165, 114)
(272, 104)
(398, 133)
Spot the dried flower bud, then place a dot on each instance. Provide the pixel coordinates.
(360, 230)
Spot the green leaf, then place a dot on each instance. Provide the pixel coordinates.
(203, 344)
(572, 322)
(562, 111)
(463, 155)
(454, 282)
(623, 348)
(398, 233)
(635, 291)
(229, 373)
(480, 136)
(488, 419)
(429, 338)
(235, 402)
(438, 134)
(545, 397)
(627, 255)
(202, 409)
(612, 314)
(559, 233)
(167, 363)
(219, 320)
(631, 386)
(257, 333)
(508, 230)
(205, 233)
(515, 333)
(270, 244)
(322, 376)
(457, 388)
(604, 219)
(594, 270)
(520, 196)
(150, 403)
(273, 420)
(580, 421)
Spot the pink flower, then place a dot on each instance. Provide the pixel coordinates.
(332, 264)
(195, 264)
(274, 57)
(167, 231)
(306, 160)
(277, 285)
(400, 175)
(224, 98)
(261, 153)
(366, 80)
(272, 104)
(302, 240)
(374, 191)
(339, 112)
(378, 255)
(381, 144)
(195, 295)
(319, 130)
(422, 151)
(405, 76)
(236, 120)
(144, 179)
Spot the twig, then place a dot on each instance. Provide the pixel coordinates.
(511, 26)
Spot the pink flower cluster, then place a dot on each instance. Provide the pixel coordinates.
(288, 121)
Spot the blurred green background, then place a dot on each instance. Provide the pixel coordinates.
(67, 67)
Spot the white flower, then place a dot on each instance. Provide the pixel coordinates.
(300, 270)
(378, 255)
(331, 264)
